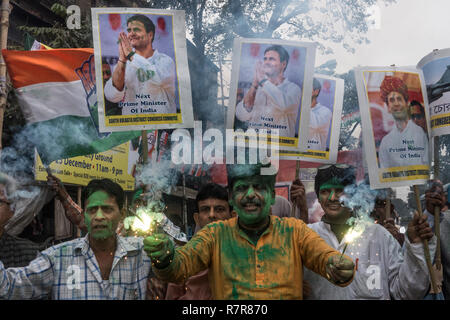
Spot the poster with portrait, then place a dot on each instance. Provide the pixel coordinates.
(436, 72)
(396, 146)
(141, 69)
(325, 122)
(271, 83)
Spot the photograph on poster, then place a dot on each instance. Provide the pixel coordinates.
(271, 81)
(398, 141)
(324, 124)
(141, 68)
(436, 72)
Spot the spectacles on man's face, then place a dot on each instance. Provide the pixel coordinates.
(417, 116)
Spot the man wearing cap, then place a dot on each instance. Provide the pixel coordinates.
(383, 271)
(255, 255)
(406, 144)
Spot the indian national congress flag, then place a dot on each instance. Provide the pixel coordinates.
(57, 93)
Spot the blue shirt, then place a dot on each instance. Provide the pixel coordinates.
(70, 271)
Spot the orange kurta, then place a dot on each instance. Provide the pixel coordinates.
(273, 269)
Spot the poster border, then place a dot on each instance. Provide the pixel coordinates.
(181, 70)
(366, 125)
(433, 56)
(303, 127)
(335, 127)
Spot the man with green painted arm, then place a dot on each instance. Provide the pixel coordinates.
(100, 266)
(255, 255)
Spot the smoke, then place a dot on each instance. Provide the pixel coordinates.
(360, 199)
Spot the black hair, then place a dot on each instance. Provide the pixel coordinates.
(240, 171)
(105, 61)
(146, 21)
(111, 188)
(212, 190)
(284, 55)
(345, 176)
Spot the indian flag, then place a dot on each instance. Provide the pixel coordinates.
(58, 97)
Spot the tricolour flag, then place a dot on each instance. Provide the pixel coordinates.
(57, 93)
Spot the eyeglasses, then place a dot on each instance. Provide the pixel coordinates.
(417, 116)
(337, 165)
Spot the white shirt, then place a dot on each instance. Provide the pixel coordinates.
(275, 107)
(406, 148)
(384, 272)
(149, 86)
(319, 126)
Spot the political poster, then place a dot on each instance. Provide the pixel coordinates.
(141, 69)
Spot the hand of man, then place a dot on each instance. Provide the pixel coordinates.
(124, 46)
(57, 187)
(419, 229)
(156, 289)
(389, 225)
(434, 197)
(259, 72)
(298, 193)
(339, 270)
(160, 249)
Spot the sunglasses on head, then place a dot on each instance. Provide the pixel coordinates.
(337, 165)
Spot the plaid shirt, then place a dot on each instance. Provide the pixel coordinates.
(17, 252)
(69, 271)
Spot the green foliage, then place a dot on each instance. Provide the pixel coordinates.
(58, 35)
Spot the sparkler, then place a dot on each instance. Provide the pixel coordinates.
(145, 222)
(351, 235)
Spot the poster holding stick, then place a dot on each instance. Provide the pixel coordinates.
(297, 173)
(396, 147)
(426, 248)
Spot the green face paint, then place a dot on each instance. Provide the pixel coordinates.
(102, 215)
(252, 199)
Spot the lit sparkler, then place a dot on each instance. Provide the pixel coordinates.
(354, 233)
(145, 222)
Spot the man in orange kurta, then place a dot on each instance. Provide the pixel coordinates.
(252, 256)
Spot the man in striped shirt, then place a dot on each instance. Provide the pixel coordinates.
(100, 266)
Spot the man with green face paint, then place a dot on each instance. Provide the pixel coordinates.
(255, 255)
(383, 270)
(100, 266)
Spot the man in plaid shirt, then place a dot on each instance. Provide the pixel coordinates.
(100, 266)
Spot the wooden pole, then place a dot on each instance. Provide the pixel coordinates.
(388, 206)
(80, 204)
(144, 145)
(426, 248)
(4, 22)
(297, 173)
(437, 210)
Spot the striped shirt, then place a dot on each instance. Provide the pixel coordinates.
(69, 271)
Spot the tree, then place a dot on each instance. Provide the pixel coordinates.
(214, 23)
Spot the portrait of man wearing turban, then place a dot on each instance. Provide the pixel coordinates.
(406, 144)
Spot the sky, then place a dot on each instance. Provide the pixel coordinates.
(406, 32)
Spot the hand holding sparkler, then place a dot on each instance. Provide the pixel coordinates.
(340, 269)
(160, 249)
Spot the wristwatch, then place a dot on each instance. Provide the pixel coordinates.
(262, 82)
(130, 55)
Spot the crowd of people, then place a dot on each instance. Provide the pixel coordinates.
(244, 247)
